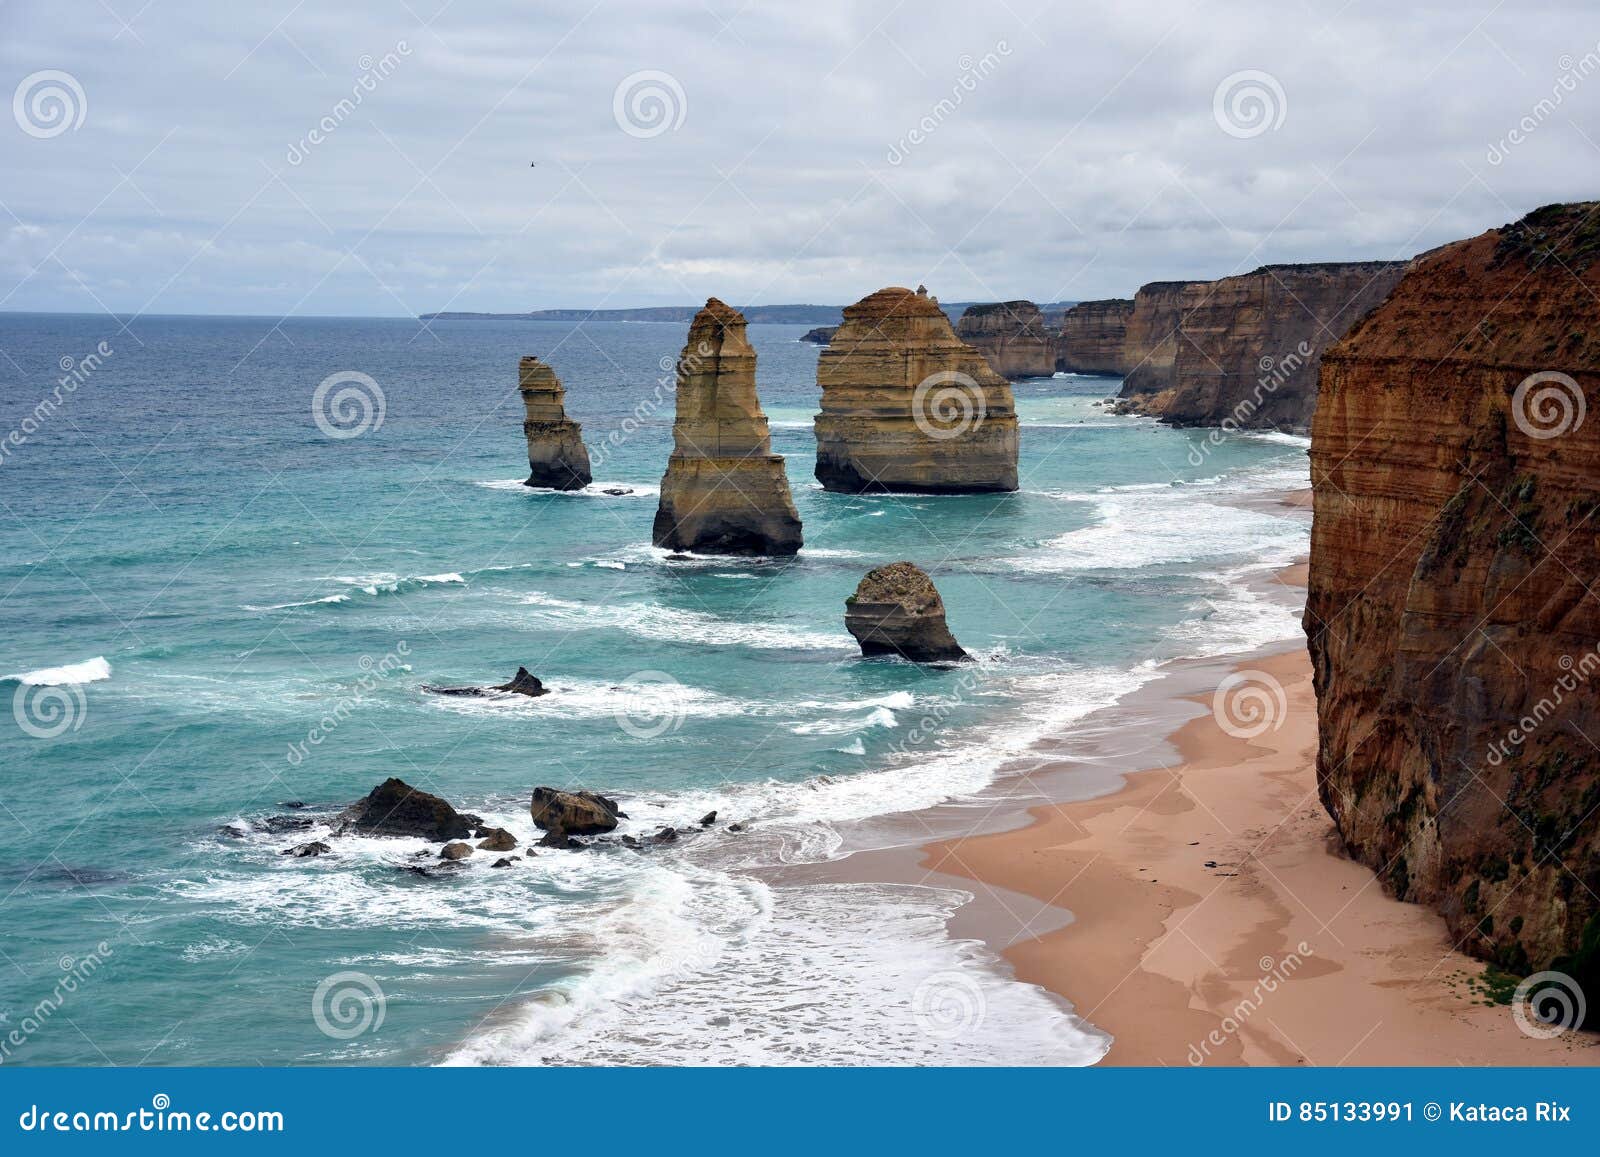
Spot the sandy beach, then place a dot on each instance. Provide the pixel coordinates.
(1216, 920)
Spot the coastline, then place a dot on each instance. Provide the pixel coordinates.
(1089, 878)
(1283, 951)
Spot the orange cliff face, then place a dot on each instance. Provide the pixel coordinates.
(1091, 338)
(1451, 618)
(1012, 337)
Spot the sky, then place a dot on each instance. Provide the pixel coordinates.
(332, 157)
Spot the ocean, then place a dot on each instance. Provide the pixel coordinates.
(220, 598)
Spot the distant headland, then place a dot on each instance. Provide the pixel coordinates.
(769, 314)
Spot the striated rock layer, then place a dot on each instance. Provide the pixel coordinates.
(1012, 338)
(908, 407)
(1450, 626)
(1244, 351)
(1092, 337)
(557, 458)
(725, 491)
(896, 610)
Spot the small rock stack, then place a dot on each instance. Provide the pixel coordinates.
(725, 491)
(896, 610)
(557, 458)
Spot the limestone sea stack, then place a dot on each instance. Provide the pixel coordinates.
(725, 491)
(1455, 464)
(896, 610)
(1091, 337)
(1011, 336)
(557, 458)
(908, 407)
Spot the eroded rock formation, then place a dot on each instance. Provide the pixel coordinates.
(577, 813)
(395, 808)
(1245, 350)
(725, 491)
(822, 335)
(896, 610)
(1092, 337)
(1456, 467)
(908, 407)
(1011, 336)
(557, 457)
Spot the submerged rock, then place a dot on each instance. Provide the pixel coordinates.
(305, 851)
(577, 813)
(908, 407)
(725, 491)
(395, 808)
(522, 683)
(557, 457)
(503, 862)
(896, 610)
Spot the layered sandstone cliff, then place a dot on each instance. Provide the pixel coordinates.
(1456, 469)
(557, 458)
(725, 491)
(1011, 336)
(908, 407)
(1150, 339)
(1092, 337)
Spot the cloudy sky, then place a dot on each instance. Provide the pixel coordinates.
(337, 157)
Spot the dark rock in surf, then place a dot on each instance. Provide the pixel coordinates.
(395, 808)
(498, 840)
(708, 819)
(579, 813)
(457, 850)
(306, 851)
(522, 683)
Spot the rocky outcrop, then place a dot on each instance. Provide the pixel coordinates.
(908, 407)
(557, 457)
(307, 851)
(896, 610)
(1011, 336)
(576, 813)
(822, 335)
(1244, 351)
(395, 808)
(725, 491)
(522, 683)
(1092, 337)
(456, 850)
(496, 840)
(1456, 475)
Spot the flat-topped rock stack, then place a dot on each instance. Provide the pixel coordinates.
(1012, 337)
(908, 407)
(725, 491)
(557, 458)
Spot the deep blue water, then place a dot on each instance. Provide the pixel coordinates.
(268, 602)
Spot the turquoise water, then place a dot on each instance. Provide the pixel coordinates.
(220, 608)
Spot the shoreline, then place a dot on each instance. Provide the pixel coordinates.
(1204, 911)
